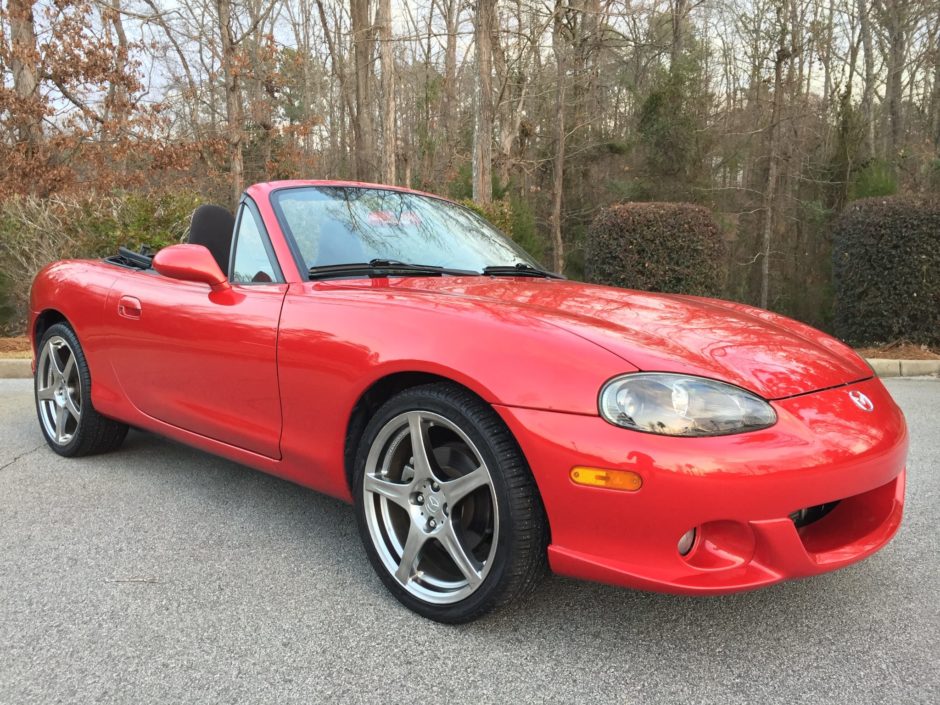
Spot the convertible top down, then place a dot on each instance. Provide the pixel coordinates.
(486, 417)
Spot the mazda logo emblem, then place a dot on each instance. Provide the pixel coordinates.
(861, 401)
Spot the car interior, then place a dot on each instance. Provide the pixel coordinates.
(211, 226)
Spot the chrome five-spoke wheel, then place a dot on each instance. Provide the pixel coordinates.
(59, 390)
(446, 504)
(69, 422)
(431, 507)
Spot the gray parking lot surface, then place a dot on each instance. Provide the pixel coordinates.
(160, 574)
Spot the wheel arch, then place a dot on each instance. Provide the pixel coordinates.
(44, 321)
(374, 396)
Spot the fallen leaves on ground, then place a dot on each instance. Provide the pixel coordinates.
(901, 351)
(17, 346)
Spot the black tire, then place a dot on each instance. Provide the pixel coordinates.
(517, 560)
(92, 433)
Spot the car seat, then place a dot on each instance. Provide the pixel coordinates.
(213, 227)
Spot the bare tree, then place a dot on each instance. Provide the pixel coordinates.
(24, 59)
(783, 56)
(894, 18)
(868, 90)
(547, 101)
(483, 24)
(450, 106)
(389, 134)
(679, 9)
(935, 100)
(560, 49)
(233, 100)
(363, 39)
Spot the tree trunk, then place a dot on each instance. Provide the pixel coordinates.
(558, 167)
(259, 93)
(116, 103)
(233, 102)
(451, 128)
(680, 8)
(894, 19)
(24, 65)
(389, 137)
(935, 102)
(483, 125)
(513, 93)
(868, 89)
(363, 34)
(827, 63)
(770, 192)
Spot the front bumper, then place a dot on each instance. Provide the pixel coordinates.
(737, 491)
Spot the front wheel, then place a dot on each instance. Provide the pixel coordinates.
(68, 421)
(447, 507)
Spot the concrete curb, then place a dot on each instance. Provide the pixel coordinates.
(15, 369)
(20, 368)
(904, 368)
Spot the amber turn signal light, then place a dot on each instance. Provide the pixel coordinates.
(625, 480)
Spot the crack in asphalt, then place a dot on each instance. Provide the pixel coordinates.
(16, 458)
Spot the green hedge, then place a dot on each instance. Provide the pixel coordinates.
(514, 219)
(34, 232)
(886, 271)
(667, 247)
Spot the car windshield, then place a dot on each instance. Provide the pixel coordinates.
(335, 225)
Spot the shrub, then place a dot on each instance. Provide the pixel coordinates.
(933, 175)
(34, 232)
(672, 134)
(497, 213)
(668, 247)
(874, 179)
(513, 218)
(670, 126)
(886, 271)
(8, 316)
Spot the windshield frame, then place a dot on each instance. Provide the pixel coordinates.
(297, 253)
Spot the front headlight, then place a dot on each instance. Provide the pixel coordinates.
(682, 405)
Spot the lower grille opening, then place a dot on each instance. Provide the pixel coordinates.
(808, 515)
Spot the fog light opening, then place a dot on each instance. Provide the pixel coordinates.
(686, 542)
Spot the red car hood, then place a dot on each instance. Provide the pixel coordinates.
(769, 354)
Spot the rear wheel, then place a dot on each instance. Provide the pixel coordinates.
(447, 507)
(67, 418)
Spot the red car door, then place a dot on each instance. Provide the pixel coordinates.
(206, 364)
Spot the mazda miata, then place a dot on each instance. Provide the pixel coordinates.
(488, 419)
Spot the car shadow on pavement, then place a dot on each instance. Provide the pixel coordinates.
(316, 529)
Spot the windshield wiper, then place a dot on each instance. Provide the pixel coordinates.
(385, 268)
(520, 269)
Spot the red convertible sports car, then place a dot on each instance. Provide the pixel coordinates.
(485, 417)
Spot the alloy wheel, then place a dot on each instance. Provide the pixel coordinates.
(430, 507)
(59, 391)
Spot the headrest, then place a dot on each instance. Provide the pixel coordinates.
(213, 228)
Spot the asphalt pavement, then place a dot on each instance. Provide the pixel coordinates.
(160, 574)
